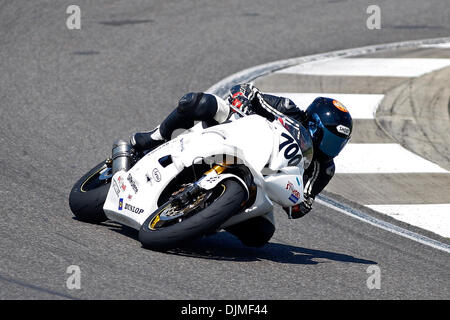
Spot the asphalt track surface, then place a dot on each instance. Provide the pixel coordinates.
(65, 95)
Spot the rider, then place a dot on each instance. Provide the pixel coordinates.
(328, 121)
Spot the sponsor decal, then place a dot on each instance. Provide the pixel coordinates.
(343, 129)
(121, 183)
(156, 175)
(212, 179)
(294, 193)
(181, 145)
(116, 188)
(132, 183)
(340, 106)
(298, 182)
(133, 209)
(129, 207)
(289, 186)
(293, 198)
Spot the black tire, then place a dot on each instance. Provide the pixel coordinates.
(87, 205)
(201, 223)
(254, 232)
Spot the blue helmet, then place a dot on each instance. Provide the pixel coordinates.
(329, 124)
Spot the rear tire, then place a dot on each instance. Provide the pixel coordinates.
(201, 223)
(87, 205)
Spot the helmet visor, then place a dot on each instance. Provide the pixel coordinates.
(331, 144)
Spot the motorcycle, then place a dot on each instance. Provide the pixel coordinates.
(200, 182)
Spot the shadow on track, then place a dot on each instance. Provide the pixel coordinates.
(223, 246)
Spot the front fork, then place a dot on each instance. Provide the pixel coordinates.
(193, 190)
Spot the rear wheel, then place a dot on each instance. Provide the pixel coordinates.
(171, 225)
(89, 194)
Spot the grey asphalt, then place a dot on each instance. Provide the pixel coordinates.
(427, 102)
(65, 95)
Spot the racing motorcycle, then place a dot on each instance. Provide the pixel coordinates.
(200, 182)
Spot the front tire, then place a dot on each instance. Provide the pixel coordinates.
(205, 221)
(88, 195)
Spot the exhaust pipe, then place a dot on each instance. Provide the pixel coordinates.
(121, 155)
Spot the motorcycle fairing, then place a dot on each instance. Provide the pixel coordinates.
(133, 195)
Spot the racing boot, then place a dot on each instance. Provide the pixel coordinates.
(143, 141)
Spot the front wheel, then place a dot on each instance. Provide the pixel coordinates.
(171, 226)
(89, 194)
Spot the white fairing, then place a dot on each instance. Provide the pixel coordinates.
(284, 188)
(134, 194)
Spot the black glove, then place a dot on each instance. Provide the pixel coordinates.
(299, 210)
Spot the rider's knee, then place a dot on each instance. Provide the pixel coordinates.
(198, 106)
(254, 232)
(189, 102)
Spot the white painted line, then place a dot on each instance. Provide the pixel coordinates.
(371, 67)
(323, 200)
(382, 158)
(437, 45)
(222, 87)
(360, 106)
(433, 217)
